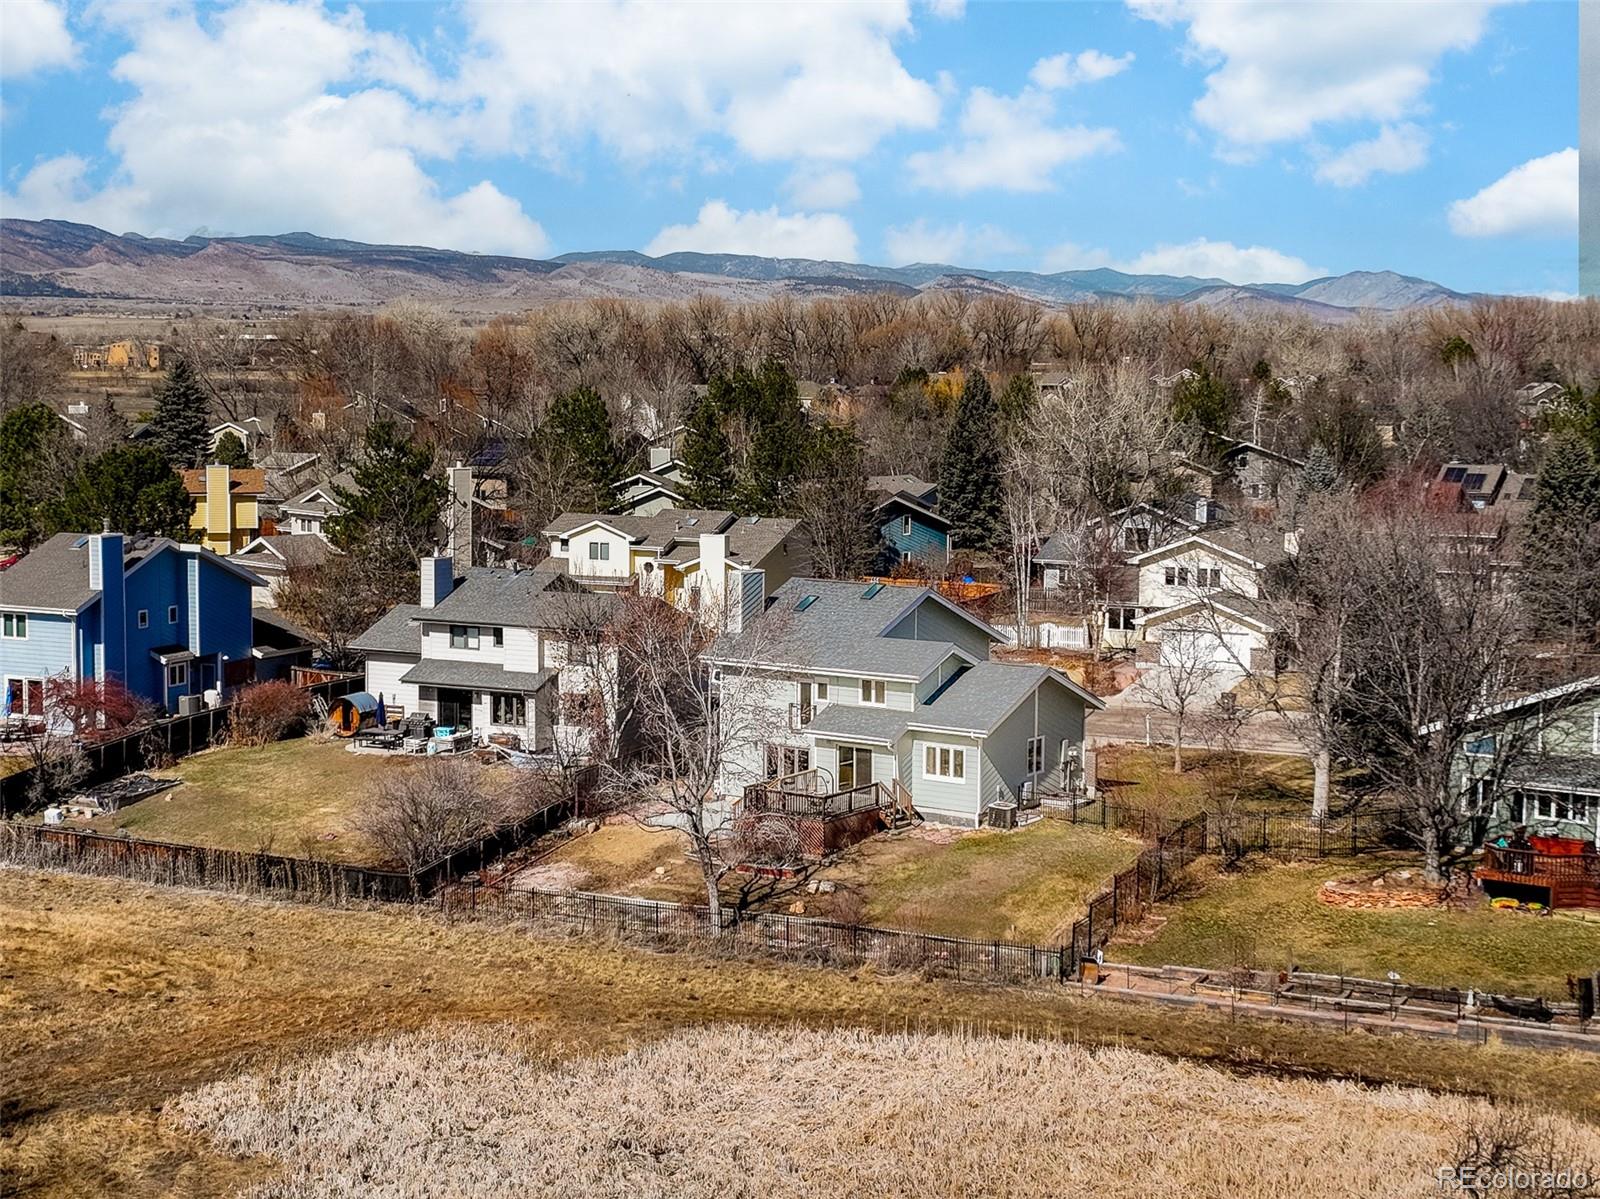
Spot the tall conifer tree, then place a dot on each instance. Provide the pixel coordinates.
(971, 489)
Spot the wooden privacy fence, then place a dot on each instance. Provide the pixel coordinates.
(317, 880)
(1153, 876)
(174, 737)
(770, 934)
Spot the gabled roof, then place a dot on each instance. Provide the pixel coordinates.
(674, 533)
(308, 501)
(54, 575)
(841, 627)
(902, 499)
(984, 696)
(912, 485)
(1234, 445)
(1255, 550)
(1241, 608)
(1516, 703)
(242, 480)
(520, 598)
(395, 632)
(282, 550)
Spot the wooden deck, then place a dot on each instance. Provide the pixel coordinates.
(1572, 880)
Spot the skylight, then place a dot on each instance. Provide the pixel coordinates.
(872, 590)
(805, 602)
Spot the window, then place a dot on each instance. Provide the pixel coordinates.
(1177, 576)
(905, 525)
(821, 691)
(1480, 747)
(144, 618)
(1035, 754)
(172, 614)
(178, 674)
(15, 625)
(599, 551)
(1209, 576)
(505, 708)
(872, 590)
(943, 762)
(804, 602)
(566, 544)
(782, 760)
(1474, 481)
(1516, 809)
(1136, 539)
(499, 636)
(1121, 618)
(1257, 491)
(874, 691)
(25, 697)
(463, 636)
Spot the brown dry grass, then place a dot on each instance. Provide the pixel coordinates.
(736, 1113)
(115, 997)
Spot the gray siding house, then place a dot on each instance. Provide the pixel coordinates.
(870, 683)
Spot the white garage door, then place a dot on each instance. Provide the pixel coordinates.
(1223, 651)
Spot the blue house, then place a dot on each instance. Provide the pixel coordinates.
(166, 619)
(909, 524)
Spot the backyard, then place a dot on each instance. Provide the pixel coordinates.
(299, 797)
(1268, 915)
(1137, 777)
(1027, 885)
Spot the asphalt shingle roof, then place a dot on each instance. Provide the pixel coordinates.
(1579, 772)
(54, 575)
(845, 722)
(392, 633)
(486, 676)
(675, 532)
(521, 598)
(980, 698)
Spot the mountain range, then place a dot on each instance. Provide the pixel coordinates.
(59, 263)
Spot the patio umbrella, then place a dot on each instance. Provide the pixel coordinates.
(383, 717)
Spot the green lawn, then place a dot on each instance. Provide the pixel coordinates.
(1143, 778)
(1268, 915)
(293, 797)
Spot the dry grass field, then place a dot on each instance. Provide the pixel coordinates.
(116, 998)
(739, 1113)
(1142, 778)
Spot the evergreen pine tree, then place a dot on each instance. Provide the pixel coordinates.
(230, 451)
(1561, 551)
(182, 418)
(579, 422)
(33, 444)
(132, 489)
(1320, 474)
(707, 457)
(1017, 400)
(971, 490)
(780, 442)
(1206, 405)
(390, 516)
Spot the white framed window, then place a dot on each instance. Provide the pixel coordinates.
(1035, 754)
(25, 697)
(14, 625)
(1177, 576)
(172, 614)
(820, 689)
(945, 762)
(874, 691)
(1209, 576)
(508, 708)
(178, 674)
(905, 525)
(599, 551)
(463, 636)
(144, 618)
(1594, 736)
(1480, 747)
(1121, 618)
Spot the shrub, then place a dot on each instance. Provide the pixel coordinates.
(268, 712)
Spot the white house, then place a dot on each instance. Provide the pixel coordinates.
(493, 650)
(863, 682)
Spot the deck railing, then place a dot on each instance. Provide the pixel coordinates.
(1541, 868)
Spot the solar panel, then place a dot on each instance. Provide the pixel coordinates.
(1474, 481)
(1455, 474)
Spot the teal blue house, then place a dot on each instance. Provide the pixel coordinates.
(166, 619)
(910, 527)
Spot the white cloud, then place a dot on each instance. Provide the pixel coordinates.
(1540, 197)
(1282, 69)
(272, 117)
(811, 185)
(954, 244)
(721, 229)
(1008, 143)
(1202, 257)
(34, 37)
(1396, 150)
(946, 10)
(647, 79)
(1069, 70)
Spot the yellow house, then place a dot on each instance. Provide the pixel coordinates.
(227, 506)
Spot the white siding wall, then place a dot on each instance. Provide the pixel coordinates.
(383, 678)
(436, 645)
(1154, 592)
(521, 650)
(617, 565)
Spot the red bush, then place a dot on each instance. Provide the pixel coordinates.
(267, 712)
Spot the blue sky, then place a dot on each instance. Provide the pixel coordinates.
(1257, 140)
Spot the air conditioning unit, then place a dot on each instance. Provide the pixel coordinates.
(190, 705)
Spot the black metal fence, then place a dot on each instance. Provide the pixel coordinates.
(172, 737)
(1240, 833)
(1154, 875)
(769, 934)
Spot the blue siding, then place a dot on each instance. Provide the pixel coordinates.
(47, 650)
(923, 539)
(155, 586)
(227, 626)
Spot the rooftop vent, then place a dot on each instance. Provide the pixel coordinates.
(872, 590)
(805, 602)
